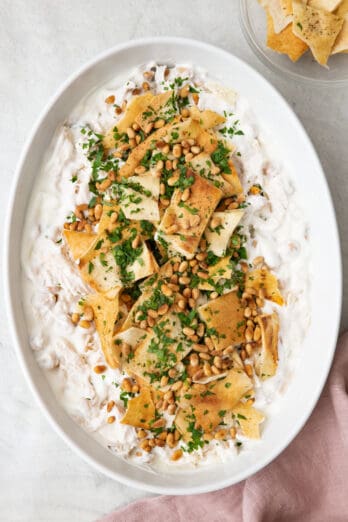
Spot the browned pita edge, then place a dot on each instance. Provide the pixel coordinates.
(266, 360)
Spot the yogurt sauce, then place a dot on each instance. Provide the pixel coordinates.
(275, 226)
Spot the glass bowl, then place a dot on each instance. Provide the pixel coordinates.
(253, 22)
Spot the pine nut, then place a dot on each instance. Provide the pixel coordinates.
(257, 334)
(85, 324)
(159, 124)
(110, 99)
(188, 331)
(196, 293)
(233, 433)
(160, 423)
(221, 434)
(111, 419)
(258, 260)
(177, 454)
(166, 291)
(100, 368)
(126, 385)
(109, 406)
(152, 313)
(164, 380)
(141, 434)
(75, 318)
(163, 309)
(185, 195)
(176, 386)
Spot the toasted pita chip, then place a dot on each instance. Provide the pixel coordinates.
(278, 14)
(162, 349)
(249, 420)
(141, 410)
(341, 43)
(224, 317)
(266, 360)
(79, 242)
(158, 107)
(202, 164)
(135, 107)
(262, 278)
(219, 237)
(206, 408)
(222, 270)
(179, 244)
(285, 42)
(105, 315)
(233, 179)
(139, 197)
(319, 29)
(207, 119)
(326, 5)
(191, 217)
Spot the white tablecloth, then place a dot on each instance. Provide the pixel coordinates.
(41, 43)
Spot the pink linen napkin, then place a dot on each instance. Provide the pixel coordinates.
(308, 482)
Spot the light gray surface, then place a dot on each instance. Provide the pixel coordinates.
(41, 43)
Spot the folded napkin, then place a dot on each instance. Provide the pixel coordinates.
(308, 482)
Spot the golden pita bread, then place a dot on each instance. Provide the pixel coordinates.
(207, 119)
(203, 199)
(202, 165)
(222, 270)
(249, 420)
(141, 204)
(140, 410)
(285, 42)
(105, 315)
(224, 317)
(160, 350)
(179, 244)
(326, 5)
(279, 16)
(319, 29)
(218, 239)
(341, 43)
(79, 242)
(262, 278)
(157, 108)
(233, 179)
(266, 360)
(219, 397)
(135, 107)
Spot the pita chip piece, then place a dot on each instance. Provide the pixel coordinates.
(262, 278)
(219, 237)
(207, 119)
(317, 28)
(224, 316)
(285, 42)
(136, 107)
(249, 420)
(140, 411)
(222, 270)
(341, 44)
(266, 361)
(105, 314)
(278, 14)
(326, 5)
(158, 107)
(220, 395)
(79, 242)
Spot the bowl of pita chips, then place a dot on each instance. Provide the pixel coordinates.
(306, 39)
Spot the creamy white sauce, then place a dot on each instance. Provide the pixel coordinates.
(52, 285)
